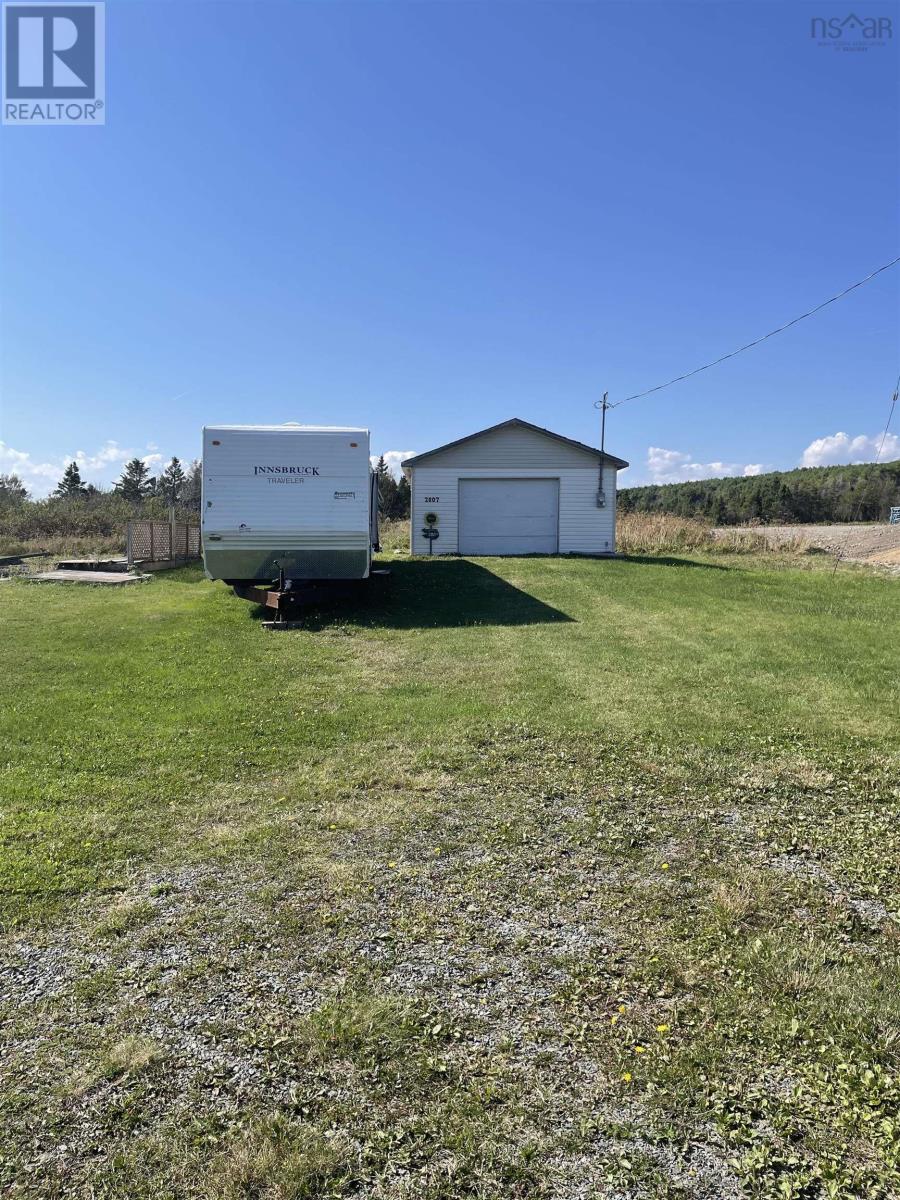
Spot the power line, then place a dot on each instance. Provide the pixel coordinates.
(890, 418)
(859, 503)
(756, 342)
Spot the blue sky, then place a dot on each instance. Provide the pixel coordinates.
(431, 217)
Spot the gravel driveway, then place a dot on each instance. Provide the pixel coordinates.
(876, 544)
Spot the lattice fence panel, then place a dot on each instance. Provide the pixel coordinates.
(158, 541)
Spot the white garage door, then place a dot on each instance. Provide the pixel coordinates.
(508, 516)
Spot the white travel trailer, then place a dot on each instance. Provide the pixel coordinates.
(287, 502)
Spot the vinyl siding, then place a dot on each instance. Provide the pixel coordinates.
(583, 527)
(514, 448)
(335, 498)
(313, 521)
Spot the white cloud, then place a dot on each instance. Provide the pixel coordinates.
(841, 448)
(393, 459)
(20, 462)
(111, 452)
(674, 466)
(103, 466)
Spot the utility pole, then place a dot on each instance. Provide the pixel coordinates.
(603, 405)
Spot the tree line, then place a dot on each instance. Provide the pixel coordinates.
(79, 509)
(83, 509)
(174, 485)
(864, 492)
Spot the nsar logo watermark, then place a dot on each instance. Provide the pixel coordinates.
(851, 33)
(54, 64)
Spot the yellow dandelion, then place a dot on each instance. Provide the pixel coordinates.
(613, 1018)
(626, 1078)
(621, 1008)
(662, 1028)
(392, 865)
(665, 866)
(640, 1049)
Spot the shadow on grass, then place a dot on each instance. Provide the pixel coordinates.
(441, 593)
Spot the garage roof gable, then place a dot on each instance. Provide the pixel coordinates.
(517, 423)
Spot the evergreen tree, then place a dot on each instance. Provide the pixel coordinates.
(136, 483)
(171, 482)
(385, 479)
(387, 489)
(71, 484)
(193, 483)
(718, 513)
(393, 493)
(401, 499)
(755, 505)
(12, 489)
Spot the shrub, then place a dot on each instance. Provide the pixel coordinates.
(96, 521)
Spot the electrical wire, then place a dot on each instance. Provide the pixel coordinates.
(890, 418)
(757, 341)
(858, 505)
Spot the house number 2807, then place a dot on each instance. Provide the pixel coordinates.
(432, 499)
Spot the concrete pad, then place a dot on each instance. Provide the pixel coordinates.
(92, 564)
(104, 578)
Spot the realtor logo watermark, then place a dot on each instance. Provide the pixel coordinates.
(54, 64)
(851, 33)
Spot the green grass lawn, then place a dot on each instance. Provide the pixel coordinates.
(541, 878)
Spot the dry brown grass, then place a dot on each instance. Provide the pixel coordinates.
(657, 533)
(67, 546)
(665, 533)
(130, 1056)
(124, 1059)
(636, 533)
(282, 1159)
(647, 533)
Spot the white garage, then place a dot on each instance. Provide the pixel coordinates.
(514, 488)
